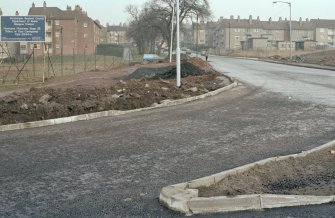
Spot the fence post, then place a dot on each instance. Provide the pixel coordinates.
(34, 69)
(95, 59)
(85, 64)
(74, 62)
(104, 62)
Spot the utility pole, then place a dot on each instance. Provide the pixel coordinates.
(178, 46)
(290, 6)
(172, 23)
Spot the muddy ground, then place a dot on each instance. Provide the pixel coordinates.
(322, 58)
(310, 175)
(140, 87)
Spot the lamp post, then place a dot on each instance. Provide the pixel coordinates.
(290, 5)
(172, 23)
(178, 46)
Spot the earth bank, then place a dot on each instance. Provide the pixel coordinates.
(142, 88)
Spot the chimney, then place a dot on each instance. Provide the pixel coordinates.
(258, 19)
(250, 19)
(68, 8)
(238, 18)
(77, 8)
(270, 19)
(221, 19)
(307, 20)
(16, 13)
(44, 4)
(285, 18)
(232, 17)
(280, 19)
(0, 12)
(33, 5)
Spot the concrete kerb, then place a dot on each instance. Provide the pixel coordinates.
(96, 115)
(193, 204)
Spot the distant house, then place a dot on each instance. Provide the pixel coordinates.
(68, 31)
(118, 34)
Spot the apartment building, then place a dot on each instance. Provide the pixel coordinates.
(255, 34)
(325, 31)
(67, 31)
(117, 34)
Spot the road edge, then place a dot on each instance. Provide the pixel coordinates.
(183, 197)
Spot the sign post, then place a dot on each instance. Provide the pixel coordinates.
(23, 29)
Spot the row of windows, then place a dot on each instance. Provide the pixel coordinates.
(58, 34)
(38, 46)
(57, 23)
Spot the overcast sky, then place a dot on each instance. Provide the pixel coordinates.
(113, 11)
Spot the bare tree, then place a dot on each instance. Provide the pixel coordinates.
(154, 21)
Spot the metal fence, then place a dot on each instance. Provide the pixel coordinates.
(28, 69)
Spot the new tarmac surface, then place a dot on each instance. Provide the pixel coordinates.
(115, 166)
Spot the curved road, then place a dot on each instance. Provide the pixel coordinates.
(301, 83)
(115, 167)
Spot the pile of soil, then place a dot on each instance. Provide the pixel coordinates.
(310, 175)
(187, 69)
(96, 94)
(326, 58)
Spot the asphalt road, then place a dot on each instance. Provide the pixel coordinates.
(301, 83)
(115, 167)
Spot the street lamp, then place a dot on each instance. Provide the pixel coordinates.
(172, 23)
(290, 5)
(178, 46)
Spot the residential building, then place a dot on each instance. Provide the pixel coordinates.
(118, 34)
(325, 31)
(237, 34)
(67, 31)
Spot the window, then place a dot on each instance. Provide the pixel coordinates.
(57, 22)
(58, 34)
(48, 34)
(256, 30)
(237, 37)
(57, 45)
(23, 47)
(49, 22)
(35, 46)
(85, 35)
(322, 30)
(49, 46)
(85, 24)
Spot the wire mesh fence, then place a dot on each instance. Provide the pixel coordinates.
(28, 69)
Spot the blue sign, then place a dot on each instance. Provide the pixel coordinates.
(22, 29)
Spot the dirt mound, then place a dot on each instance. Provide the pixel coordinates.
(198, 62)
(100, 94)
(193, 67)
(310, 175)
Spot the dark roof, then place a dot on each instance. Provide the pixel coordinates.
(330, 24)
(52, 13)
(266, 25)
